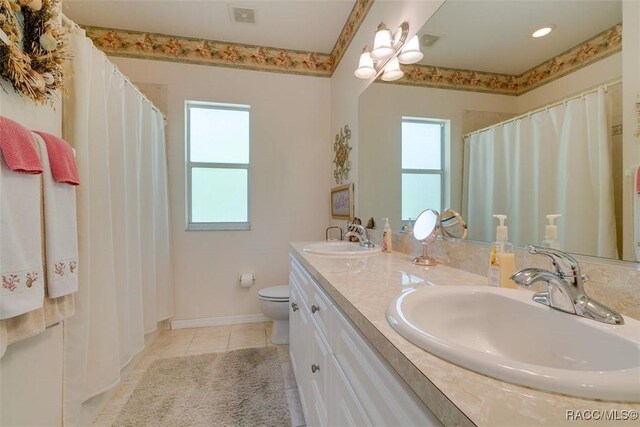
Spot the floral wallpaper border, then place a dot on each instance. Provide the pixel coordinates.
(599, 47)
(218, 53)
(164, 47)
(357, 15)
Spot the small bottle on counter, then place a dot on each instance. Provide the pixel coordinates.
(387, 237)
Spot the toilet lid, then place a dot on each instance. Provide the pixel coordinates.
(279, 293)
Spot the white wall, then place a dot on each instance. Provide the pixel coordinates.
(31, 371)
(289, 184)
(381, 109)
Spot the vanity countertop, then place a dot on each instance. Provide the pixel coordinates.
(363, 288)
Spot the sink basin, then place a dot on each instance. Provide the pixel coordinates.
(503, 334)
(341, 248)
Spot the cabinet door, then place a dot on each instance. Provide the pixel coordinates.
(299, 333)
(319, 374)
(345, 409)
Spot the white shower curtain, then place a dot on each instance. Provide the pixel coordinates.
(126, 283)
(557, 160)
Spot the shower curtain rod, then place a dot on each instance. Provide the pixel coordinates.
(73, 26)
(546, 107)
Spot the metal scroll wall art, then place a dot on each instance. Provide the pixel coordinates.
(341, 162)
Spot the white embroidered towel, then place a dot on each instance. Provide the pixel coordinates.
(61, 231)
(22, 287)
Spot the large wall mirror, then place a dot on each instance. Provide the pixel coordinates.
(496, 121)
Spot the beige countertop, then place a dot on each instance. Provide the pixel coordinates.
(364, 287)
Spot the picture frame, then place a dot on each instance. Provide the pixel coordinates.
(342, 202)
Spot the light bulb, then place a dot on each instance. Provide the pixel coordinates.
(411, 51)
(382, 48)
(365, 67)
(392, 71)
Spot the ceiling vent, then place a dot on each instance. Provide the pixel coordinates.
(242, 15)
(429, 40)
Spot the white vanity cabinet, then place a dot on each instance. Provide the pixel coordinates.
(342, 380)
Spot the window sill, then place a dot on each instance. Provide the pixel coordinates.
(219, 226)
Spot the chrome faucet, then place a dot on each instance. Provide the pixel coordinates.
(361, 234)
(565, 287)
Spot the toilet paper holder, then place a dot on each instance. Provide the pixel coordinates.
(246, 280)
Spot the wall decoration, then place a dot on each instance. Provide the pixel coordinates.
(342, 202)
(132, 44)
(32, 60)
(341, 148)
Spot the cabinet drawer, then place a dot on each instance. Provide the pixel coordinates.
(385, 397)
(321, 311)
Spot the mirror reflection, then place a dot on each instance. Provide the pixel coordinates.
(496, 121)
(452, 225)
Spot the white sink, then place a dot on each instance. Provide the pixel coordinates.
(503, 334)
(341, 249)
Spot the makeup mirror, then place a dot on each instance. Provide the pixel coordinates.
(425, 229)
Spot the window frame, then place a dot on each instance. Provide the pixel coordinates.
(440, 171)
(189, 166)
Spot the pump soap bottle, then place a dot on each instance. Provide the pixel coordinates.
(502, 261)
(387, 236)
(551, 233)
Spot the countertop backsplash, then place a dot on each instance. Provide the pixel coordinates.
(615, 284)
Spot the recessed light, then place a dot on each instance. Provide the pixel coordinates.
(543, 31)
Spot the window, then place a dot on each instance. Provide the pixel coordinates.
(422, 166)
(217, 144)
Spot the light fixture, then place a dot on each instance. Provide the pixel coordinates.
(411, 51)
(389, 50)
(365, 69)
(392, 71)
(382, 48)
(541, 32)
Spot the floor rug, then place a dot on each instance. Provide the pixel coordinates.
(238, 388)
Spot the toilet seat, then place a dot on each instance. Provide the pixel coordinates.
(274, 293)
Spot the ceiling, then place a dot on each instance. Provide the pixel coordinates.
(309, 25)
(495, 36)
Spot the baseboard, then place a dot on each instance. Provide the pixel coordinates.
(217, 321)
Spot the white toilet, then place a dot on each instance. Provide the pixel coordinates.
(274, 302)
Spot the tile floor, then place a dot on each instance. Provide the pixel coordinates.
(185, 342)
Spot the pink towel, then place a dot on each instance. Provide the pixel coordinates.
(61, 158)
(20, 155)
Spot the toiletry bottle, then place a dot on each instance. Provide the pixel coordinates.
(387, 236)
(502, 262)
(551, 233)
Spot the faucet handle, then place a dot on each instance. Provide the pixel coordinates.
(564, 264)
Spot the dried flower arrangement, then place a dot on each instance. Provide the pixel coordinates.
(35, 69)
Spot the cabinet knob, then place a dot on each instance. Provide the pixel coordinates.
(294, 306)
(314, 308)
(315, 368)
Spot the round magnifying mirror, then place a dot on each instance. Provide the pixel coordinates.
(452, 225)
(425, 229)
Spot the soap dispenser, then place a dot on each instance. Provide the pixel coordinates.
(551, 233)
(387, 236)
(502, 261)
